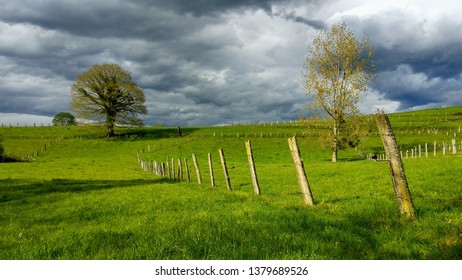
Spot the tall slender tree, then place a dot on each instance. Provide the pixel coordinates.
(337, 71)
(107, 92)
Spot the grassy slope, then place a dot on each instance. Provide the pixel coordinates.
(87, 198)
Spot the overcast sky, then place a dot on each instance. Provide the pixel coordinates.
(209, 62)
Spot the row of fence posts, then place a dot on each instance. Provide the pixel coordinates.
(25, 125)
(293, 122)
(431, 131)
(167, 169)
(417, 151)
(402, 192)
(43, 149)
(254, 135)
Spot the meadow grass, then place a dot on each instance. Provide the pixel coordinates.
(86, 197)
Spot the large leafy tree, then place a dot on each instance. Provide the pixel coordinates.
(64, 119)
(338, 69)
(107, 92)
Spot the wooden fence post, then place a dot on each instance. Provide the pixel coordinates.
(253, 172)
(300, 172)
(403, 195)
(212, 178)
(180, 170)
(186, 168)
(163, 169)
(173, 169)
(196, 166)
(225, 169)
(167, 169)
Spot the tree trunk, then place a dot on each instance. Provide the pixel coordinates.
(110, 120)
(335, 142)
(110, 130)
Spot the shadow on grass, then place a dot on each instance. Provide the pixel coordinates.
(12, 189)
(153, 133)
(345, 159)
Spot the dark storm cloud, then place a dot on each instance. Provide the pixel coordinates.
(418, 54)
(158, 19)
(220, 61)
(186, 55)
(99, 19)
(435, 52)
(317, 24)
(213, 7)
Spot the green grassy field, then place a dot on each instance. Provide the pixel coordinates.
(86, 197)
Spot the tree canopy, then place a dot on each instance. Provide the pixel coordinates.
(337, 71)
(64, 119)
(107, 92)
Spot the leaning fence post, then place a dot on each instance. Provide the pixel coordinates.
(300, 172)
(196, 166)
(253, 172)
(225, 169)
(403, 195)
(212, 178)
